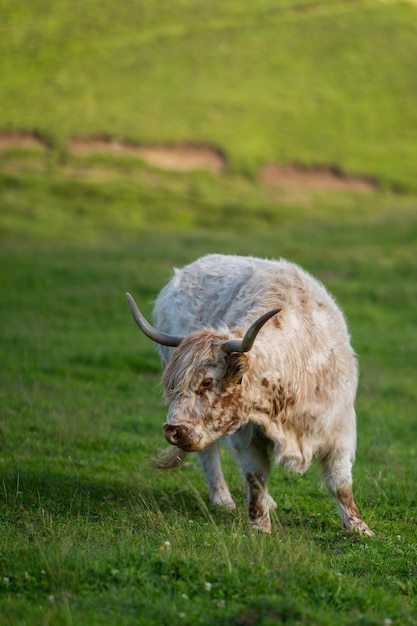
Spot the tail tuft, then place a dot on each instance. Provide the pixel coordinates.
(169, 459)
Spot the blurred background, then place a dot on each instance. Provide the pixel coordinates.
(222, 86)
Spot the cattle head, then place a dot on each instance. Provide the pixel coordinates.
(202, 381)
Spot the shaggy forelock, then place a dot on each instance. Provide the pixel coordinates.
(195, 353)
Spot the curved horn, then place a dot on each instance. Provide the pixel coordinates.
(245, 344)
(150, 331)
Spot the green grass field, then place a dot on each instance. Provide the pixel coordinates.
(85, 520)
(90, 533)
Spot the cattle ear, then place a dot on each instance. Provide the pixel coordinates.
(236, 366)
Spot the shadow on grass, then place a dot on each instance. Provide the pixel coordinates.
(74, 496)
(115, 504)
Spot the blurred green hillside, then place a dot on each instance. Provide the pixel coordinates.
(297, 81)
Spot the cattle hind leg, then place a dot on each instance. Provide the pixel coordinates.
(337, 476)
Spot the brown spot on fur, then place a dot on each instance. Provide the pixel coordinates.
(265, 382)
(282, 400)
(276, 320)
(230, 410)
(257, 509)
(229, 400)
(345, 496)
(351, 517)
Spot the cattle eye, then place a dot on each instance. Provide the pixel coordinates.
(207, 383)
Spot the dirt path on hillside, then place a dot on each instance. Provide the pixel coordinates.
(316, 178)
(21, 140)
(187, 157)
(176, 157)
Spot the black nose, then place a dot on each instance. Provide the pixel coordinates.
(174, 434)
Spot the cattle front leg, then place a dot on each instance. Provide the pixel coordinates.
(258, 502)
(253, 451)
(337, 475)
(218, 490)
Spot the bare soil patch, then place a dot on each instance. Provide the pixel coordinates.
(187, 157)
(317, 178)
(20, 139)
(176, 157)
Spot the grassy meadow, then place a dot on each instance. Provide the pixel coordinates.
(90, 533)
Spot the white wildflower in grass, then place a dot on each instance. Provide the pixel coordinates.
(6, 580)
(221, 604)
(165, 547)
(207, 586)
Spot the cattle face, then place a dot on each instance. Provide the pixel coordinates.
(202, 384)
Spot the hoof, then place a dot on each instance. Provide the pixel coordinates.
(223, 503)
(271, 504)
(362, 528)
(261, 525)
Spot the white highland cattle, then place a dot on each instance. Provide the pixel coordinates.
(283, 388)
